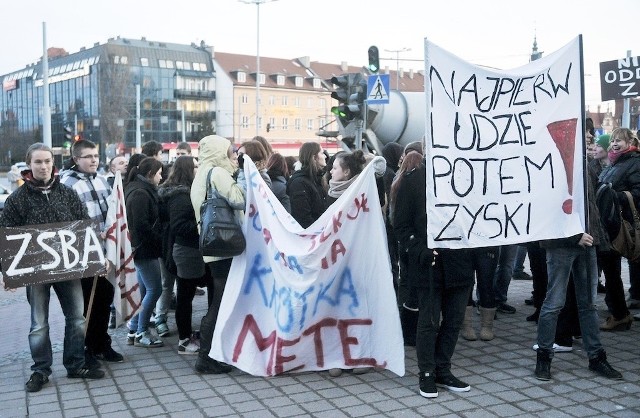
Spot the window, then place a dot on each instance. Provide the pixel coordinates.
(144, 62)
(296, 101)
(285, 100)
(309, 124)
(298, 81)
(309, 102)
(316, 83)
(262, 78)
(124, 60)
(285, 124)
(272, 100)
(280, 80)
(297, 124)
(244, 99)
(323, 103)
(245, 122)
(116, 59)
(179, 65)
(169, 64)
(242, 77)
(272, 123)
(162, 63)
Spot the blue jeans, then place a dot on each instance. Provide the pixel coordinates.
(561, 262)
(521, 254)
(168, 282)
(150, 281)
(504, 272)
(72, 302)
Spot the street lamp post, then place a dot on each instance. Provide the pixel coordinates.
(257, 3)
(397, 52)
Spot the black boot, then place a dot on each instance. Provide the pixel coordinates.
(534, 316)
(601, 366)
(543, 365)
(409, 322)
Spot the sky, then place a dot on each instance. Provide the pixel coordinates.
(495, 33)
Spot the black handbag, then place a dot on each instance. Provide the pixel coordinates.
(220, 233)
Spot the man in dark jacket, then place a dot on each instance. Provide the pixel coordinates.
(93, 190)
(441, 290)
(42, 199)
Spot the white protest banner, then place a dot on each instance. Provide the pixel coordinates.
(122, 275)
(504, 150)
(314, 299)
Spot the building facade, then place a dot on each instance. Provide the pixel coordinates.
(186, 92)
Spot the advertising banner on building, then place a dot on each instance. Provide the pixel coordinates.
(504, 150)
(303, 300)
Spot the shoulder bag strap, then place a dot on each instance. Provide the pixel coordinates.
(209, 189)
(634, 211)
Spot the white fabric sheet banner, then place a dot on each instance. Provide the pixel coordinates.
(302, 300)
(504, 150)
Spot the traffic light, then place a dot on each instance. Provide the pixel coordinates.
(356, 102)
(374, 59)
(68, 133)
(350, 93)
(341, 94)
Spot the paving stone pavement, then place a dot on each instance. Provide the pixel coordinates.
(159, 382)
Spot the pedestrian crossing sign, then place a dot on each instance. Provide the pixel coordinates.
(378, 89)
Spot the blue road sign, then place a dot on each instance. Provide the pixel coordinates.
(378, 89)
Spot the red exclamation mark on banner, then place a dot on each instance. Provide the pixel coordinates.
(563, 133)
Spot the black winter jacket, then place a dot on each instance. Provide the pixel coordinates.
(308, 198)
(624, 175)
(141, 198)
(32, 205)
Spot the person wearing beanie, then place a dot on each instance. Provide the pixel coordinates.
(603, 141)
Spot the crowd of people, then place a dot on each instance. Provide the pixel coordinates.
(434, 287)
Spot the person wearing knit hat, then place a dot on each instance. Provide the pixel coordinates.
(603, 141)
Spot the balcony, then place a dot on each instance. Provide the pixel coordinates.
(194, 94)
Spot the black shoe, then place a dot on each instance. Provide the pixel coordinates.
(504, 308)
(534, 316)
(528, 302)
(428, 385)
(601, 366)
(35, 382)
(85, 373)
(199, 292)
(90, 360)
(452, 383)
(543, 366)
(211, 366)
(110, 355)
(521, 275)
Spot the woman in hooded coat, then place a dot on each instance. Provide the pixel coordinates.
(215, 154)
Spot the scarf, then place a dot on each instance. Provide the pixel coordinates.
(336, 188)
(613, 155)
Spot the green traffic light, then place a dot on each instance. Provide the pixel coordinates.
(374, 59)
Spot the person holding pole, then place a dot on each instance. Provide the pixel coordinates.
(42, 199)
(93, 190)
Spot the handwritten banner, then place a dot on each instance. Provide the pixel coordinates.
(314, 299)
(50, 253)
(504, 150)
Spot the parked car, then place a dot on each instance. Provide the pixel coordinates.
(4, 193)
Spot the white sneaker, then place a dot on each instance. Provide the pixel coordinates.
(556, 348)
(188, 346)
